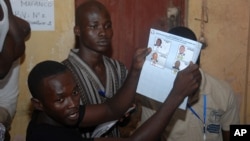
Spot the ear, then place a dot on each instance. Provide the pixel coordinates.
(37, 104)
(77, 30)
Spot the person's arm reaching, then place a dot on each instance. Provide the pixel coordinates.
(115, 107)
(187, 83)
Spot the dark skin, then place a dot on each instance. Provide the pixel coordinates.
(14, 44)
(60, 94)
(59, 101)
(226, 135)
(94, 30)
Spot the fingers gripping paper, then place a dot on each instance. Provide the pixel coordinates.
(170, 54)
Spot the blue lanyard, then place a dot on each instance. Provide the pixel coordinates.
(204, 115)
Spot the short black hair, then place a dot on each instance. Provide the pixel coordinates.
(40, 71)
(183, 32)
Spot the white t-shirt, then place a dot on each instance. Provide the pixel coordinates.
(9, 89)
(222, 110)
(4, 24)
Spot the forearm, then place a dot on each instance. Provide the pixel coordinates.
(125, 95)
(155, 125)
(226, 135)
(115, 107)
(186, 83)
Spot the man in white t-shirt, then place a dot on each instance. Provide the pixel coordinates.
(210, 112)
(13, 33)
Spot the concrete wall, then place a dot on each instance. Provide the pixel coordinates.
(227, 33)
(41, 46)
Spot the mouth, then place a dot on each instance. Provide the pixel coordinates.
(73, 115)
(103, 42)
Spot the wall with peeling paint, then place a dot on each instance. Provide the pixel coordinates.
(43, 45)
(227, 33)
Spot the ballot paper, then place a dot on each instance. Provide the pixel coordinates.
(170, 54)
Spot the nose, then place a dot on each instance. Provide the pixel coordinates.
(71, 102)
(102, 31)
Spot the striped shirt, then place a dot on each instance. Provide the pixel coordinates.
(91, 89)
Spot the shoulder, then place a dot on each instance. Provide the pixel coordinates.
(219, 92)
(118, 68)
(115, 62)
(217, 89)
(220, 95)
(117, 65)
(209, 81)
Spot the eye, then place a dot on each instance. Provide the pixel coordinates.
(108, 26)
(76, 91)
(94, 26)
(60, 100)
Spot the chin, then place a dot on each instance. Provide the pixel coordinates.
(70, 124)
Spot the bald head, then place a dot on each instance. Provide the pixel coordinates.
(89, 7)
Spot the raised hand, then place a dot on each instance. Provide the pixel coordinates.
(139, 58)
(187, 81)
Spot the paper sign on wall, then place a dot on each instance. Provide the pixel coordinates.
(39, 13)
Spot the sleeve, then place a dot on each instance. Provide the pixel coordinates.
(123, 72)
(9, 89)
(231, 115)
(81, 114)
(47, 132)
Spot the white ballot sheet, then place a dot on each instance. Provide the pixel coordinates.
(170, 54)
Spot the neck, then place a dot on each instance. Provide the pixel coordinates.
(45, 119)
(95, 61)
(92, 58)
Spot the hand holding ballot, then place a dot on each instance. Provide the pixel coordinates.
(170, 54)
(189, 77)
